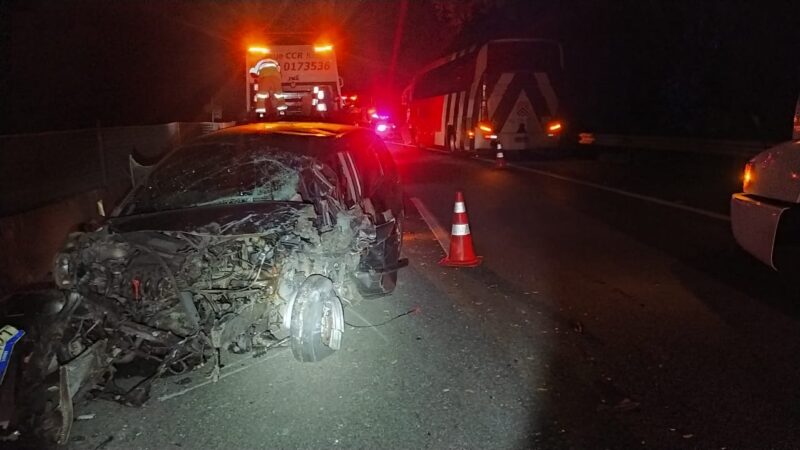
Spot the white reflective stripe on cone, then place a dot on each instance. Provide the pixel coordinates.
(460, 229)
(459, 208)
(500, 154)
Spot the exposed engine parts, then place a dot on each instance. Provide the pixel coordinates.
(177, 299)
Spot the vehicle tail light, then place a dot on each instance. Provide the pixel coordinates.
(554, 128)
(747, 178)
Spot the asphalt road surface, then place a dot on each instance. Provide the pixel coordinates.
(598, 319)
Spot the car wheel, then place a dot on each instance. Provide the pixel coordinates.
(317, 320)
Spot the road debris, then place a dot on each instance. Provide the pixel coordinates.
(104, 443)
(624, 405)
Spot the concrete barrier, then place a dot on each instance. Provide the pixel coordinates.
(41, 168)
(707, 146)
(50, 184)
(30, 240)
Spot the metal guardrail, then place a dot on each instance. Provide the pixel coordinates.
(707, 146)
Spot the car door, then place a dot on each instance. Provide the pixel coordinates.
(382, 196)
(378, 175)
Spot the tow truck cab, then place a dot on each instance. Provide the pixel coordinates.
(292, 81)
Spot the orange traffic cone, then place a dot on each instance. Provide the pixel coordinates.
(461, 252)
(499, 160)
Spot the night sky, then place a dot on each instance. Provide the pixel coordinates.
(712, 68)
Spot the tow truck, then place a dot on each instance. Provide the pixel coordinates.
(292, 81)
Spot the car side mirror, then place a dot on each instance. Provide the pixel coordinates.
(138, 170)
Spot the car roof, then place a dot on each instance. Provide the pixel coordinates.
(315, 139)
(310, 129)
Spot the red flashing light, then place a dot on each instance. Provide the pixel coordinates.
(259, 50)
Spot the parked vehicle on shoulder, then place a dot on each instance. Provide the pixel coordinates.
(765, 217)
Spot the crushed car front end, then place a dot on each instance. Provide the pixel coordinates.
(231, 246)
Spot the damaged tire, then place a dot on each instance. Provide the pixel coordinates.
(376, 283)
(317, 320)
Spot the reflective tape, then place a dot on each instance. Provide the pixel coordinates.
(459, 208)
(460, 229)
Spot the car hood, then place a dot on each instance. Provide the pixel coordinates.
(236, 219)
(776, 173)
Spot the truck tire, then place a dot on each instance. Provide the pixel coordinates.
(317, 321)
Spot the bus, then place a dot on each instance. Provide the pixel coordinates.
(504, 92)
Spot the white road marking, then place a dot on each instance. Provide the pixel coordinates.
(221, 377)
(367, 321)
(646, 198)
(438, 232)
(625, 193)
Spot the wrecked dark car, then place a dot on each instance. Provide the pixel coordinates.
(245, 239)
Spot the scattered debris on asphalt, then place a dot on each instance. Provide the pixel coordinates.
(104, 443)
(624, 405)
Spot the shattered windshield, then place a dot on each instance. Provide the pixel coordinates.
(219, 173)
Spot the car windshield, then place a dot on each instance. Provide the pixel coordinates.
(219, 173)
